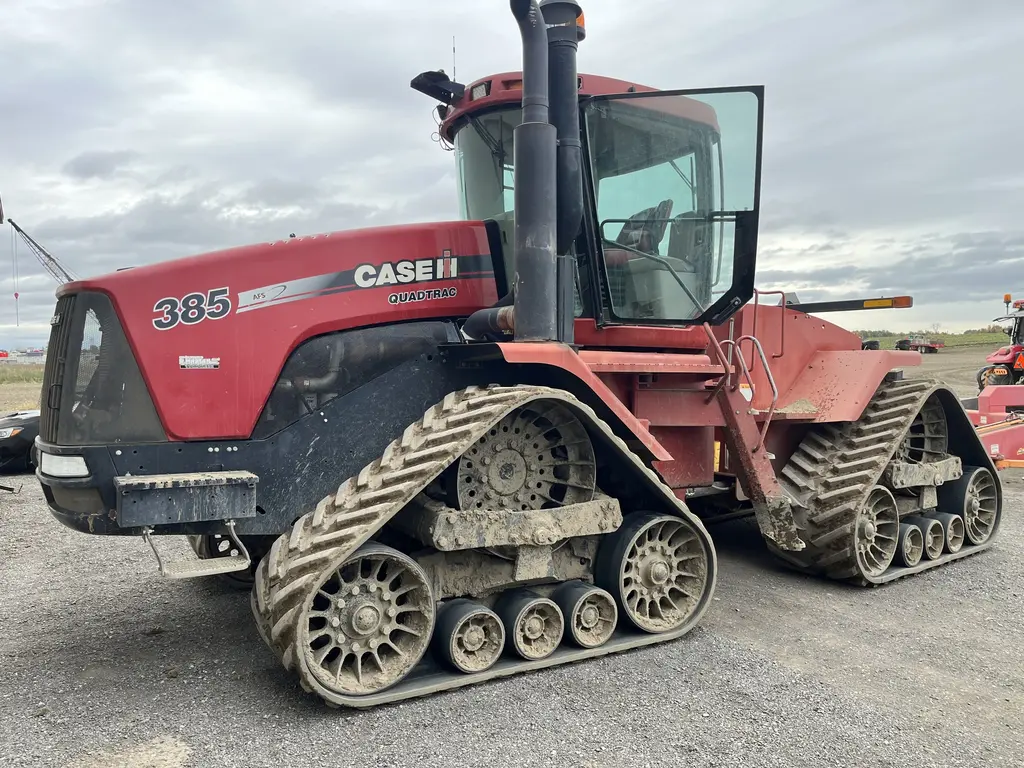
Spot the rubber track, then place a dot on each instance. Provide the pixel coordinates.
(362, 505)
(834, 469)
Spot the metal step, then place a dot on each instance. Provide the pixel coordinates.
(193, 568)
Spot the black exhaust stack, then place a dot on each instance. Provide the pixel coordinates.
(563, 79)
(536, 183)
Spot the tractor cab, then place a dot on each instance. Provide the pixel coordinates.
(670, 193)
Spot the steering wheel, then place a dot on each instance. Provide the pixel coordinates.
(645, 229)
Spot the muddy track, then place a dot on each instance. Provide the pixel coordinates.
(363, 504)
(834, 469)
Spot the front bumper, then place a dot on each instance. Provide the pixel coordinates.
(87, 490)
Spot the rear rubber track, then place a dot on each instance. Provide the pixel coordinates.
(832, 473)
(346, 520)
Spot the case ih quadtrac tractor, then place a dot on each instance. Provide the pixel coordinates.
(449, 452)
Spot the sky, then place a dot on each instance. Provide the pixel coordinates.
(135, 131)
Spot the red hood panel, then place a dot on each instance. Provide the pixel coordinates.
(1005, 354)
(211, 332)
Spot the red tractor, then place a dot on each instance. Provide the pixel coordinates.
(446, 453)
(1006, 364)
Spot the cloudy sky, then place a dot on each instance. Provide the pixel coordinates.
(133, 131)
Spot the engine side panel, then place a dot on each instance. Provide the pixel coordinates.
(211, 333)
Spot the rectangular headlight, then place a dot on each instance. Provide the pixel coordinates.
(62, 466)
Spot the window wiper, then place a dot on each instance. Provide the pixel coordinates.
(686, 181)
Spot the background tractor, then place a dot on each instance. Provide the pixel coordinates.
(1006, 364)
(455, 451)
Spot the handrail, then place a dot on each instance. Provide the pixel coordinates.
(782, 318)
(771, 383)
(723, 361)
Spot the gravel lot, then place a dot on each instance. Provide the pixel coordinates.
(107, 664)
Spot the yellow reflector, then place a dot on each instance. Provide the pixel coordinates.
(876, 303)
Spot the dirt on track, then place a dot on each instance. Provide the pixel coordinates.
(107, 664)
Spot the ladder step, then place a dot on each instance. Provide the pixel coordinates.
(213, 566)
(197, 567)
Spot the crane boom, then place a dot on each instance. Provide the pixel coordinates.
(57, 270)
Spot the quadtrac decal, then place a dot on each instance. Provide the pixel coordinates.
(192, 308)
(198, 362)
(404, 272)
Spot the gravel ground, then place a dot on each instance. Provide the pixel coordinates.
(107, 664)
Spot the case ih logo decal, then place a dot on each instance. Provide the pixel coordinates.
(402, 272)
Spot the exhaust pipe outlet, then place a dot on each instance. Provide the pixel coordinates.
(536, 183)
(563, 90)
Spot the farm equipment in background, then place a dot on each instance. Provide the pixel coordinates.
(445, 453)
(919, 344)
(1006, 364)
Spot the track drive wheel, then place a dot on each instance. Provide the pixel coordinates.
(367, 621)
(656, 566)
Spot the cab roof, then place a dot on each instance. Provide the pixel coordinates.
(507, 87)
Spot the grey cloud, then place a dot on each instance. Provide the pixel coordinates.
(969, 266)
(100, 164)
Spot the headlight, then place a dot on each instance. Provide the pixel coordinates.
(9, 432)
(62, 466)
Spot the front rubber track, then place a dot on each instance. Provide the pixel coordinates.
(321, 540)
(836, 465)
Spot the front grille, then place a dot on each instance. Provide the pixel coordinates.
(53, 372)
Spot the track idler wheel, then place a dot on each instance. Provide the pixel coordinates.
(974, 497)
(876, 532)
(590, 612)
(952, 531)
(656, 566)
(469, 636)
(934, 536)
(534, 625)
(911, 545)
(367, 621)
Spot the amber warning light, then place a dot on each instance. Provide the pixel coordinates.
(896, 302)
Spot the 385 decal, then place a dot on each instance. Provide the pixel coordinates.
(191, 309)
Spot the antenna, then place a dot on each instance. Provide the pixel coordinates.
(453, 58)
